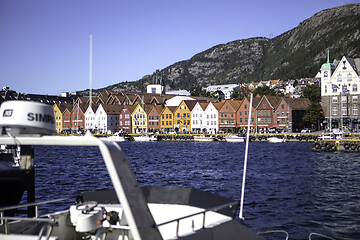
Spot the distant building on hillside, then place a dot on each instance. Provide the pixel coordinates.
(179, 92)
(226, 90)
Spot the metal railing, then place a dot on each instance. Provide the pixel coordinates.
(4, 220)
(213, 209)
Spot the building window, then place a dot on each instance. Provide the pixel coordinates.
(343, 111)
(325, 88)
(355, 99)
(344, 99)
(339, 78)
(245, 106)
(334, 100)
(354, 88)
(334, 111)
(325, 73)
(355, 110)
(349, 77)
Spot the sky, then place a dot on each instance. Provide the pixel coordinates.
(44, 44)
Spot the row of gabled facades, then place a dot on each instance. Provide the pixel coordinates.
(140, 113)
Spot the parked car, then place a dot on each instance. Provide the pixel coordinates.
(306, 130)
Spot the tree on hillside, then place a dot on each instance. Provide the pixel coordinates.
(265, 90)
(199, 92)
(240, 94)
(312, 92)
(313, 115)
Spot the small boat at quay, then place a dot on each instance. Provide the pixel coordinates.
(234, 138)
(127, 211)
(117, 137)
(276, 139)
(204, 138)
(145, 138)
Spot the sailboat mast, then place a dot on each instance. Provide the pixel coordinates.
(90, 71)
(245, 160)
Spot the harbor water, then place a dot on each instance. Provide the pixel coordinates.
(288, 187)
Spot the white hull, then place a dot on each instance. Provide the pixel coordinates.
(116, 138)
(144, 139)
(203, 139)
(276, 140)
(234, 139)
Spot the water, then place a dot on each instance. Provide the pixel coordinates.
(288, 186)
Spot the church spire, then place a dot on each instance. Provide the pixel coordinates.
(328, 56)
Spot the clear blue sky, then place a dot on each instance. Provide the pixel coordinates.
(44, 44)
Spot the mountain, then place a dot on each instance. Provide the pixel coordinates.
(294, 54)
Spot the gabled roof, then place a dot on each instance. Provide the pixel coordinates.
(82, 106)
(204, 99)
(171, 109)
(218, 105)
(297, 103)
(64, 107)
(112, 109)
(190, 104)
(100, 100)
(147, 107)
(82, 99)
(235, 104)
(355, 64)
(273, 100)
(130, 108)
(203, 105)
(94, 107)
(256, 101)
(158, 109)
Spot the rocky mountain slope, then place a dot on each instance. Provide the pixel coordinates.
(294, 54)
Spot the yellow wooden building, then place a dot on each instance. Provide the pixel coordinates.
(167, 119)
(59, 110)
(182, 116)
(139, 120)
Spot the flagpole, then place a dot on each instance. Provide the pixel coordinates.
(330, 112)
(341, 115)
